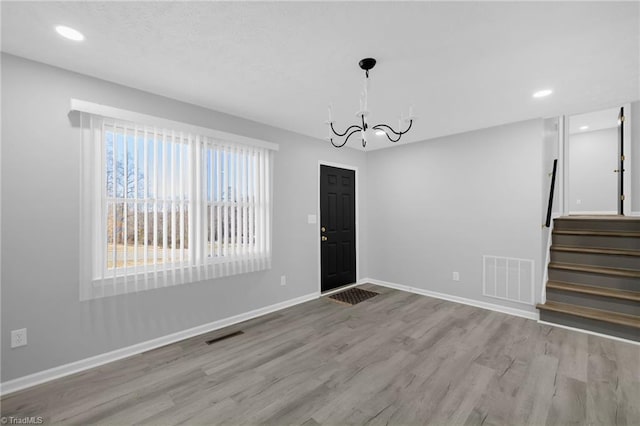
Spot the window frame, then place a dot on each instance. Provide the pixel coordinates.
(95, 202)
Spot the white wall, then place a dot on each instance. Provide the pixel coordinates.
(635, 157)
(593, 185)
(550, 152)
(438, 206)
(40, 189)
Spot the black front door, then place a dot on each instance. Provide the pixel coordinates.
(337, 227)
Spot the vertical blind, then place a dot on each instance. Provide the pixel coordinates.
(163, 207)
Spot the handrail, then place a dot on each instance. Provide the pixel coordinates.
(551, 191)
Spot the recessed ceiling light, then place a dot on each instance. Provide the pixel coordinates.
(542, 93)
(584, 127)
(69, 33)
(380, 132)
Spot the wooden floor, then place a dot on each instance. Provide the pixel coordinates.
(397, 358)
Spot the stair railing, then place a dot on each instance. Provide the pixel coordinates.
(551, 193)
(549, 225)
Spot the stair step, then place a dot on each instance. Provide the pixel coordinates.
(617, 272)
(612, 222)
(597, 233)
(593, 314)
(586, 277)
(590, 300)
(633, 296)
(592, 256)
(611, 239)
(596, 250)
(596, 297)
(600, 218)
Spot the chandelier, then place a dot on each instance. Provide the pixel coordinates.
(381, 129)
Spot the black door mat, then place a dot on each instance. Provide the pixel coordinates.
(353, 296)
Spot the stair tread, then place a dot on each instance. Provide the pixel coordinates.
(603, 218)
(620, 272)
(591, 313)
(596, 233)
(594, 290)
(596, 250)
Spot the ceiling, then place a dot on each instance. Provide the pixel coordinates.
(461, 65)
(593, 121)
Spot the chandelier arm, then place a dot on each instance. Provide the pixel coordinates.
(338, 146)
(391, 139)
(349, 135)
(400, 133)
(380, 127)
(345, 139)
(408, 128)
(346, 131)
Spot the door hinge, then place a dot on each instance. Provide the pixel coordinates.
(622, 198)
(622, 158)
(622, 119)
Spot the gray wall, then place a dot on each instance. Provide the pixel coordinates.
(635, 157)
(40, 160)
(592, 158)
(436, 207)
(426, 209)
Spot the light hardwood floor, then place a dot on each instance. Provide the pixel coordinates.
(397, 358)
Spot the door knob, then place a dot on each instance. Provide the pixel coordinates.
(324, 238)
(323, 229)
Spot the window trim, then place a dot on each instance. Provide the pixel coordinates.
(150, 120)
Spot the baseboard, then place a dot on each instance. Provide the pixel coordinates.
(593, 333)
(457, 299)
(24, 382)
(634, 214)
(338, 290)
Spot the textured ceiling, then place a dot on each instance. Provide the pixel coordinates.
(462, 66)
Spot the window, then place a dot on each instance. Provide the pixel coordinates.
(163, 206)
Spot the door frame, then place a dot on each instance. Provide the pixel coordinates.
(318, 224)
(564, 163)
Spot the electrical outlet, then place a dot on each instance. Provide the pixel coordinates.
(578, 202)
(283, 280)
(456, 276)
(18, 338)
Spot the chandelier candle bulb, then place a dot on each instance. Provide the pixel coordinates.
(366, 93)
(330, 117)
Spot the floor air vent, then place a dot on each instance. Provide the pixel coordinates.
(226, 336)
(508, 278)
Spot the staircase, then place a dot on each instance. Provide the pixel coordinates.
(594, 275)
